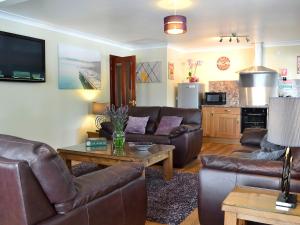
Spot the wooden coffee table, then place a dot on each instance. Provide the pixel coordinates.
(107, 156)
(257, 205)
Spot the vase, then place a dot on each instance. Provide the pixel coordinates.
(118, 141)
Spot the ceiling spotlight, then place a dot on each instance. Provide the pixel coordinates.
(237, 40)
(221, 39)
(230, 39)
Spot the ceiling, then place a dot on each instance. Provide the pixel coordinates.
(139, 23)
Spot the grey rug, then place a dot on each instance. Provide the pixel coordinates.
(169, 202)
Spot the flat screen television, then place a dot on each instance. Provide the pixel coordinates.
(21, 58)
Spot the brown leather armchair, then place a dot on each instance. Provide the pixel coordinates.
(220, 174)
(36, 188)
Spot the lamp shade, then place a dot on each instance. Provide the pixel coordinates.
(99, 108)
(175, 24)
(284, 122)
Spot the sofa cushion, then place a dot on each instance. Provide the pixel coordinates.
(190, 116)
(136, 125)
(107, 126)
(49, 169)
(167, 123)
(142, 111)
(268, 146)
(253, 136)
(157, 139)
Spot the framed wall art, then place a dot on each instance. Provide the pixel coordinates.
(171, 71)
(149, 72)
(79, 68)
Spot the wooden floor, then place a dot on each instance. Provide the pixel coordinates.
(195, 166)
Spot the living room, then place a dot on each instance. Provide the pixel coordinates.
(220, 42)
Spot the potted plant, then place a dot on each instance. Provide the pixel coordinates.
(118, 118)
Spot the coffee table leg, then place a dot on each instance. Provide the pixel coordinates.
(231, 219)
(168, 166)
(69, 164)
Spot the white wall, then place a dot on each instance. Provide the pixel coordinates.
(283, 57)
(152, 94)
(42, 111)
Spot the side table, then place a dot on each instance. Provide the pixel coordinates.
(93, 134)
(257, 205)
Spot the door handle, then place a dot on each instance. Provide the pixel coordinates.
(132, 102)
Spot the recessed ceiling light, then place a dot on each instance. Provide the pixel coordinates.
(172, 4)
(2, 0)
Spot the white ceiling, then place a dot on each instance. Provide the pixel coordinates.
(139, 23)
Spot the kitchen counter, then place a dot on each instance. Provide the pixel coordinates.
(237, 106)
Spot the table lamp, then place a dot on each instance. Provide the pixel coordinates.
(99, 109)
(284, 130)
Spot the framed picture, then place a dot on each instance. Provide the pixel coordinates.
(171, 71)
(79, 68)
(298, 64)
(149, 72)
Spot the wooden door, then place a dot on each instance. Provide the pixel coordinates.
(122, 80)
(207, 117)
(226, 125)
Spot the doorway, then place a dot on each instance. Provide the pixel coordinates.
(122, 80)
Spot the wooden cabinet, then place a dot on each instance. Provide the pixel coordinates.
(221, 122)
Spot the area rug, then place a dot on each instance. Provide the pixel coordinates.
(169, 202)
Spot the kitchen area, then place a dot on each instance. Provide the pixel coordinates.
(230, 106)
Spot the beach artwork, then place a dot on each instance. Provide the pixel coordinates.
(148, 72)
(79, 68)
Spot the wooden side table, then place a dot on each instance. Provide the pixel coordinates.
(93, 134)
(257, 205)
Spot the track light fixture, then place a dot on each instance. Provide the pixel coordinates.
(233, 36)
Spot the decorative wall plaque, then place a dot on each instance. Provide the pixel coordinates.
(223, 63)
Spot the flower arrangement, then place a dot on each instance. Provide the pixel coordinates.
(118, 116)
(192, 69)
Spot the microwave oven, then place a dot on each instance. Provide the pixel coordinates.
(215, 98)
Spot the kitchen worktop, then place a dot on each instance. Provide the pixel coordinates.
(237, 106)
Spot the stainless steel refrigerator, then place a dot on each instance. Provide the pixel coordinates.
(189, 95)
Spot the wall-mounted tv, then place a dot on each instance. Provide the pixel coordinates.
(21, 58)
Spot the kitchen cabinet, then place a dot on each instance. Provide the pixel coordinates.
(221, 122)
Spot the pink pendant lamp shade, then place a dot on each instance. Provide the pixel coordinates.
(175, 24)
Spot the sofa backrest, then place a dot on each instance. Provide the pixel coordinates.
(190, 116)
(48, 168)
(143, 111)
(22, 198)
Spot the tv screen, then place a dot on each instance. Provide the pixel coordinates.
(21, 58)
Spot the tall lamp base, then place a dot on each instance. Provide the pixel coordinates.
(289, 202)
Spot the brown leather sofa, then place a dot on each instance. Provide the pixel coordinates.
(36, 188)
(220, 174)
(187, 138)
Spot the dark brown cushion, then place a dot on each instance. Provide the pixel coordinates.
(190, 116)
(108, 127)
(49, 169)
(253, 136)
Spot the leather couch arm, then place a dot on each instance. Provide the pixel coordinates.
(100, 183)
(184, 128)
(244, 165)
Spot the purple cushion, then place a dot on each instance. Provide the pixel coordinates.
(167, 124)
(136, 125)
